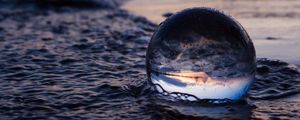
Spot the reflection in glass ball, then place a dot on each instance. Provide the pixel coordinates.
(203, 53)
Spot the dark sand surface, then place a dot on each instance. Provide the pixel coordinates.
(83, 62)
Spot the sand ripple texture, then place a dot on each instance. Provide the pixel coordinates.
(68, 62)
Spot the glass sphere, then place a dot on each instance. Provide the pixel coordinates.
(203, 53)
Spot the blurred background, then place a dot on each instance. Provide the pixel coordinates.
(273, 25)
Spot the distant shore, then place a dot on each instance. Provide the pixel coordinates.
(273, 25)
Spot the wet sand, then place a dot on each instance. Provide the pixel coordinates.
(63, 61)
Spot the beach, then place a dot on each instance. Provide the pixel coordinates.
(86, 60)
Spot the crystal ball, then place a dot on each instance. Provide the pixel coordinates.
(201, 52)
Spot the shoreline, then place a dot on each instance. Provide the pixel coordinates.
(78, 63)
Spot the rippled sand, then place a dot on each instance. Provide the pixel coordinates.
(89, 63)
